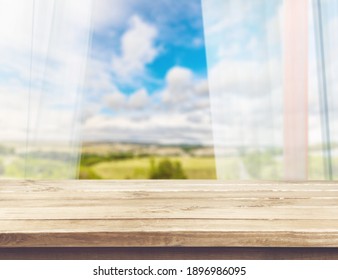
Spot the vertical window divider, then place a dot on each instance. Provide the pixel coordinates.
(295, 85)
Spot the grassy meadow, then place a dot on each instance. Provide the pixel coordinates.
(137, 161)
(139, 168)
(151, 161)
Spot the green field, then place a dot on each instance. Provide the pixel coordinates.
(136, 161)
(139, 168)
(37, 168)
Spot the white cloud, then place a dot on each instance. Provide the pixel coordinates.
(137, 50)
(166, 128)
(179, 85)
(198, 42)
(145, 119)
(119, 101)
(139, 99)
(202, 88)
(179, 77)
(116, 100)
(98, 79)
(108, 13)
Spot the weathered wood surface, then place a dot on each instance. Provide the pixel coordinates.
(167, 214)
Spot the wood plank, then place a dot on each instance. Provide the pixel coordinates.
(175, 202)
(168, 213)
(75, 195)
(160, 185)
(170, 239)
(165, 225)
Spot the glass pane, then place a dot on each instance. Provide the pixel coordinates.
(146, 112)
(15, 67)
(46, 45)
(324, 101)
(244, 54)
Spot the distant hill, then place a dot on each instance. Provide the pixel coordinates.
(147, 149)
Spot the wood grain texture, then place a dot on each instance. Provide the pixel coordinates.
(168, 214)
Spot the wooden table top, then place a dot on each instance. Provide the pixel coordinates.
(167, 213)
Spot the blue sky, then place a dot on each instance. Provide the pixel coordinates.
(182, 45)
(151, 66)
(146, 77)
(104, 70)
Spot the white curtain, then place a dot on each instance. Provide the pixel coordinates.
(244, 55)
(324, 95)
(272, 78)
(44, 48)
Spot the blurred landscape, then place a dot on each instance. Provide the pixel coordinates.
(107, 160)
(141, 161)
(146, 161)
